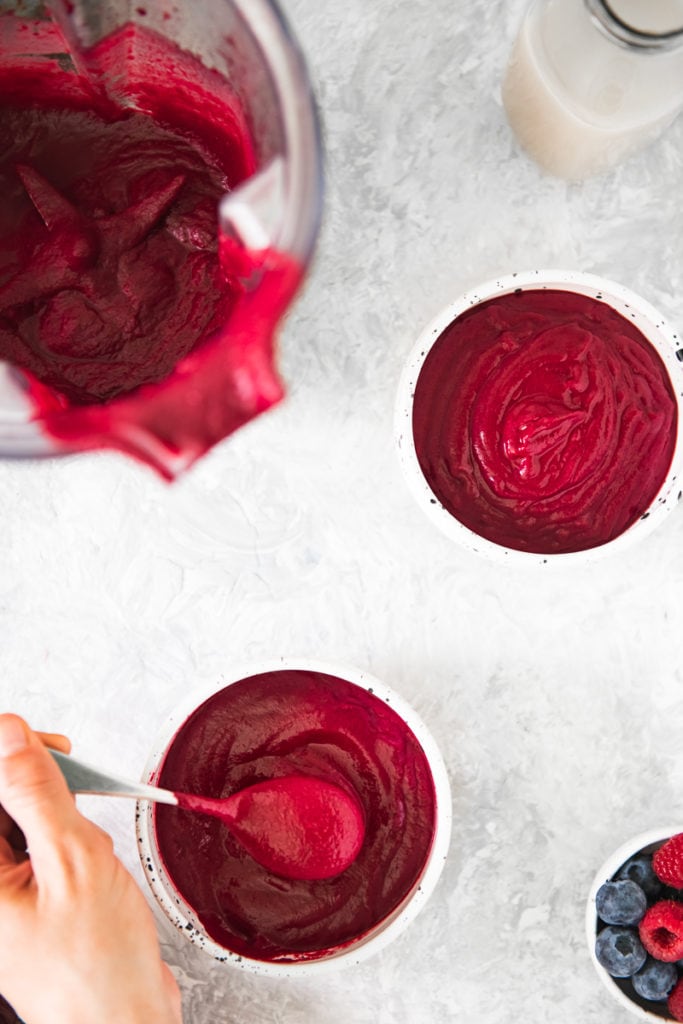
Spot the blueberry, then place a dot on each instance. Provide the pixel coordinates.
(655, 980)
(639, 870)
(620, 951)
(621, 902)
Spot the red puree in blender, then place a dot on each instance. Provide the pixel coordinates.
(114, 297)
(284, 723)
(544, 421)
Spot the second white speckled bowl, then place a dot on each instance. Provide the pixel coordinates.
(664, 339)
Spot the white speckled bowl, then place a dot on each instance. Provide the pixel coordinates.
(646, 842)
(663, 337)
(181, 915)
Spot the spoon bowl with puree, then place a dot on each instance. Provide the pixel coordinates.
(296, 826)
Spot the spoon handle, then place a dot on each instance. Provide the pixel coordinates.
(83, 778)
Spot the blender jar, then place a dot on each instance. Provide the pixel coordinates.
(265, 224)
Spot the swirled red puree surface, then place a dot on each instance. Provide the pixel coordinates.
(132, 323)
(544, 421)
(296, 722)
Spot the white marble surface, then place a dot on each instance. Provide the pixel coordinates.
(556, 697)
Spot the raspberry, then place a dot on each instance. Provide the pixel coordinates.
(675, 1001)
(667, 862)
(661, 931)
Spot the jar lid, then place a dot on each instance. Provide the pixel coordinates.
(653, 25)
(649, 17)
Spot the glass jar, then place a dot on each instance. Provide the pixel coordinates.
(590, 82)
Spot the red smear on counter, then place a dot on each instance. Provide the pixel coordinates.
(135, 329)
(544, 421)
(279, 724)
(295, 826)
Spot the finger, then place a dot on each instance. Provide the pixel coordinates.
(173, 992)
(56, 741)
(8, 827)
(34, 793)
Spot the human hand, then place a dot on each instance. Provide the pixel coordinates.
(79, 942)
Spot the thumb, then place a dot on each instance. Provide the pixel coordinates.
(33, 790)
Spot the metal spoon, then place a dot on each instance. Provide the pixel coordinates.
(296, 825)
(83, 778)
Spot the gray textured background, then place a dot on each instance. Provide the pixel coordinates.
(556, 698)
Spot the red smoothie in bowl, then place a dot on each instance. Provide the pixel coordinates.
(544, 419)
(279, 723)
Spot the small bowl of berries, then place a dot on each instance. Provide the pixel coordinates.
(634, 923)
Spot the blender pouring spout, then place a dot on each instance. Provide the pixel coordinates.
(251, 213)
